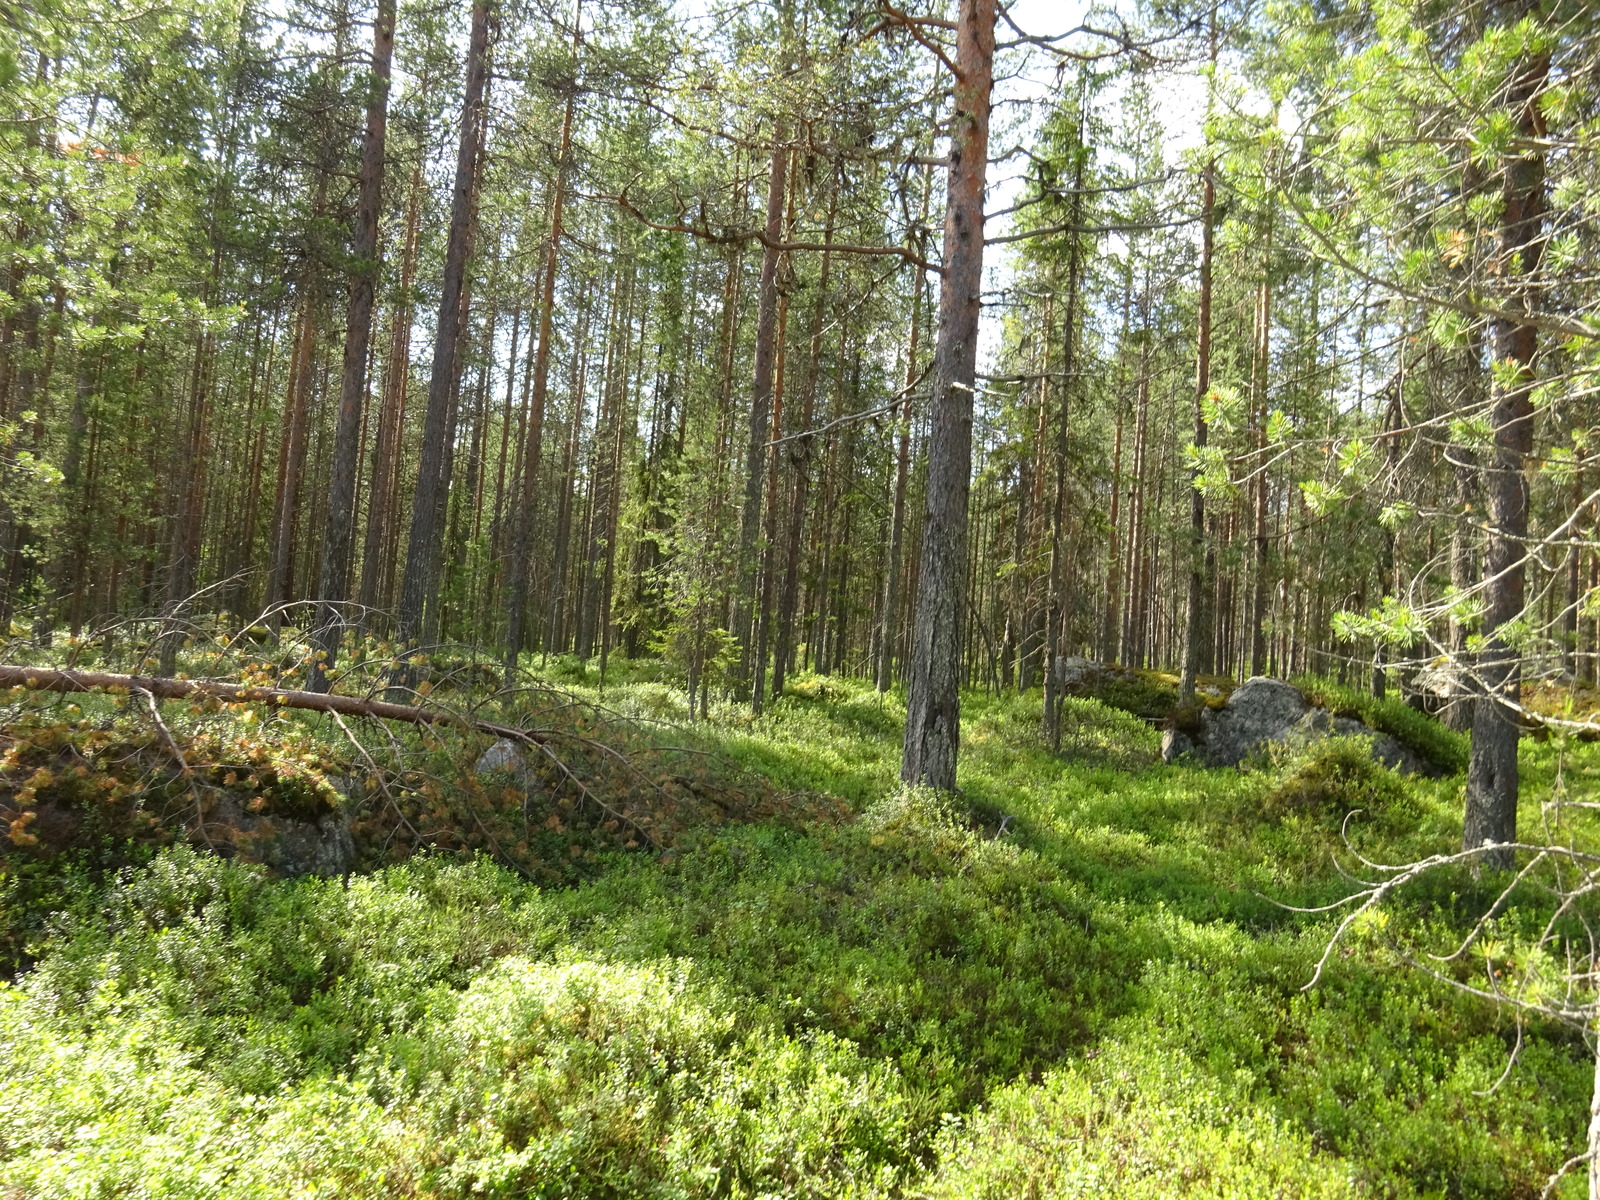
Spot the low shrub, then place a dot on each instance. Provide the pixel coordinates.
(1443, 747)
(1333, 777)
(1142, 693)
(1137, 1123)
(595, 1079)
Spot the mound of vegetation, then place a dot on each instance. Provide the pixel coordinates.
(1393, 716)
(1336, 777)
(91, 782)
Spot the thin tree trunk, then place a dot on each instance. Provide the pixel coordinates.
(1057, 614)
(897, 519)
(291, 463)
(1197, 629)
(769, 551)
(766, 349)
(799, 455)
(376, 550)
(1258, 600)
(339, 525)
(533, 440)
(419, 585)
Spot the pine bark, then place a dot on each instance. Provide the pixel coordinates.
(339, 527)
(889, 646)
(533, 435)
(1197, 629)
(799, 456)
(933, 704)
(1057, 613)
(766, 350)
(1491, 807)
(1262, 544)
(424, 550)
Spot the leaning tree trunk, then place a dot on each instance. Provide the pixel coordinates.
(339, 527)
(933, 699)
(424, 548)
(1491, 809)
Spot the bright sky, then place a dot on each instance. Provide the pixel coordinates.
(1020, 99)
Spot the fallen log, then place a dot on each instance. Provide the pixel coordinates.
(162, 687)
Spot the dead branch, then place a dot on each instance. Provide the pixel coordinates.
(183, 764)
(46, 679)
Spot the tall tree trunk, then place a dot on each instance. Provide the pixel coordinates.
(890, 638)
(419, 585)
(1197, 629)
(897, 521)
(1057, 613)
(557, 628)
(1491, 808)
(339, 525)
(769, 551)
(291, 461)
(1133, 620)
(533, 435)
(933, 701)
(1258, 600)
(799, 455)
(377, 550)
(766, 350)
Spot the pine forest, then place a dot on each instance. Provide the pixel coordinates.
(765, 598)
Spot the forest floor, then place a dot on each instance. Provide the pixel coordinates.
(1080, 980)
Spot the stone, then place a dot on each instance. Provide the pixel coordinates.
(1073, 672)
(1443, 679)
(1262, 713)
(325, 848)
(1175, 743)
(504, 755)
(1259, 712)
(290, 846)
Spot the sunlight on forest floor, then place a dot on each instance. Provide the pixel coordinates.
(1079, 981)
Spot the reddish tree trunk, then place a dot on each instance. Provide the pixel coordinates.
(339, 526)
(533, 435)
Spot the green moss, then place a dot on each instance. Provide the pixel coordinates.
(1335, 777)
(1075, 979)
(1417, 730)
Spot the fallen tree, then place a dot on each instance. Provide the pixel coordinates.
(641, 792)
(162, 687)
(151, 688)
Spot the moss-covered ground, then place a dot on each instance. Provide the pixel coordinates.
(1079, 979)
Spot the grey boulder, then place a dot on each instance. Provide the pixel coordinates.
(1262, 713)
(1259, 712)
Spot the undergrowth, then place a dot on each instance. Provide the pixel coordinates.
(1079, 979)
(1443, 747)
